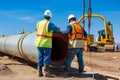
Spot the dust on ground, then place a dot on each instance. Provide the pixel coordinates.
(105, 62)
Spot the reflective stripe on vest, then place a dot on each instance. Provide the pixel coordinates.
(43, 37)
(77, 32)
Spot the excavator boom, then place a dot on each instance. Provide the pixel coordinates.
(105, 36)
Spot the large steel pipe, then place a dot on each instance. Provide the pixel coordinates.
(23, 46)
(10, 44)
(60, 48)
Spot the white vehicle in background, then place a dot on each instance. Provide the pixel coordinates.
(117, 47)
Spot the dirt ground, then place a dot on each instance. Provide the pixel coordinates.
(97, 64)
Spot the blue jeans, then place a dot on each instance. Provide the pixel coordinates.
(79, 53)
(44, 55)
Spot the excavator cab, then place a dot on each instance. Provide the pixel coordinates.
(106, 36)
(101, 35)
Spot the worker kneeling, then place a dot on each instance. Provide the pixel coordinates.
(76, 36)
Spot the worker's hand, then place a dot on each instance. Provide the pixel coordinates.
(70, 53)
(60, 31)
(85, 38)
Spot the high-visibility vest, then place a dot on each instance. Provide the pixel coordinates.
(43, 37)
(77, 32)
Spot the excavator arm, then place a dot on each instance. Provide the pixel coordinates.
(105, 36)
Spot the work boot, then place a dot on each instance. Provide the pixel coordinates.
(47, 72)
(40, 74)
(81, 71)
(66, 72)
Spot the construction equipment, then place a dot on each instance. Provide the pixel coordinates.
(1, 36)
(105, 40)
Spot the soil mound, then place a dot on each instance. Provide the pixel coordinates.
(4, 70)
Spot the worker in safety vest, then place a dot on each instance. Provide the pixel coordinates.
(74, 32)
(44, 33)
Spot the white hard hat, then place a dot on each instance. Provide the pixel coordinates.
(48, 13)
(70, 16)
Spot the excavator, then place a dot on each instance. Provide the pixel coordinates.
(105, 40)
(1, 36)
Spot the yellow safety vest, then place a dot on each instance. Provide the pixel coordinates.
(43, 37)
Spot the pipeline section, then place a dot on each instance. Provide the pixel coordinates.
(23, 46)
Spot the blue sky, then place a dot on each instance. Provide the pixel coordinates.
(18, 14)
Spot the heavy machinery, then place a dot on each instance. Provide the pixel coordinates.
(1, 36)
(105, 40)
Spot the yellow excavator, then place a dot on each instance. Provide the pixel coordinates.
(1, 36)
(105, 40)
